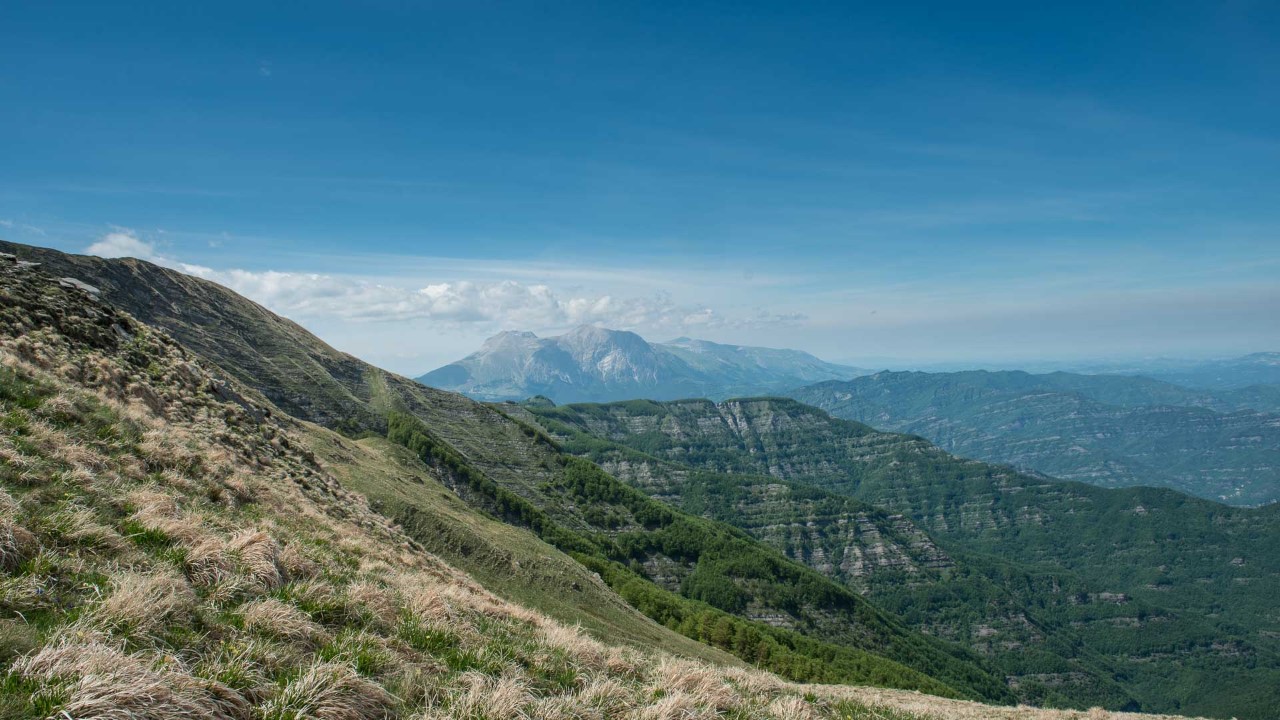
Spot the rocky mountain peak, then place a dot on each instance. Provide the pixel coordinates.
(591, 363)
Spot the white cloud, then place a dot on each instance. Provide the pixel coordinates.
(506, 303)
(123, 242)
(482, 305)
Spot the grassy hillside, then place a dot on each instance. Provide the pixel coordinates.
(509, 561)
(172, 547)
(1172, 594)
(706, 580)
(702, 578)
(1111, 431)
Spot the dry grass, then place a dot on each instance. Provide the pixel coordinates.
(79, 525)
(16, 543)
(8, 506)
(259, 554)
(208, 564)
(673, 706)
(330, 691)
(297, 564)
(380, 605)
(585, 649)
(607, 694)
(479, 696)
(159, 512)
(703, 682)
(246, 663)
(143, 604)
(247, 563)
(21, 594)
(793, 707)
(278, 620)
(755, 682)
(101, 681)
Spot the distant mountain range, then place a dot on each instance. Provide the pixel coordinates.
(1261, 368)
(593, 364)
(1108, 430)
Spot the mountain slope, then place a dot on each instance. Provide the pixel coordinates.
(170, 546)
(594, 364)
(1171, 593)
(1105, 430)
(995, 608)
(820, 630)
(741, 369)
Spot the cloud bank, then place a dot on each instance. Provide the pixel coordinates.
(508, 304)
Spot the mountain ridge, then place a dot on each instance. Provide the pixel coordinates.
(505, 469)
(1112, 431)
(590, 363)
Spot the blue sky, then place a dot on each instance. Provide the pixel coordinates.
(950, 181)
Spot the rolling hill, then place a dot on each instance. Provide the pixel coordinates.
(1237, 373)
(1111, 431)
(491, 494)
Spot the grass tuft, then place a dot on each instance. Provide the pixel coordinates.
(143, 605)
(330, 691)
(94, 680)
(272, 618)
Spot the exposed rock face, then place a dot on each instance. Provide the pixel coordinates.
(595, 364)
(839, 537)
(79, 285)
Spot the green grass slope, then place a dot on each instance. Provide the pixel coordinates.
(509, 561)
(705, 579)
